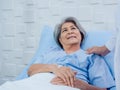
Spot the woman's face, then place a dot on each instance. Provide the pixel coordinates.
(69, 34)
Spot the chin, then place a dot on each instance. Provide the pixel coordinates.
(73, 43)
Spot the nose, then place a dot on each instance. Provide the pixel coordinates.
(70, 31)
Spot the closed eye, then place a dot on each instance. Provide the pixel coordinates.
(64, 30)
(73, 28)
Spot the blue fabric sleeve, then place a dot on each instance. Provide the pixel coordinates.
(99, 73)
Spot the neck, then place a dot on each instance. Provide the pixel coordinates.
(71, 48)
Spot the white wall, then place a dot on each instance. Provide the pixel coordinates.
(22, 20)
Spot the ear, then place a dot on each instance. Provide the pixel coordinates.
(60, 40)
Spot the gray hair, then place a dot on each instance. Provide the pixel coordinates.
(57, 30)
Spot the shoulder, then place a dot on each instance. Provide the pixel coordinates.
(95, 59)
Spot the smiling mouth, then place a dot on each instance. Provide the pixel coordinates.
(71, 37)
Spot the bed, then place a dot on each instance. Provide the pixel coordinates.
(94, 38)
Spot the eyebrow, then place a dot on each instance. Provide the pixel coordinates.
(73, 26)
(70, 26)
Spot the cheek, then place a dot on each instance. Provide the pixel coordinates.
(80, 37)
(62, 37)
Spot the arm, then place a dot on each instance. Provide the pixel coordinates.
(85, 86)
(77, 84)
(65, 73)
(40, 68)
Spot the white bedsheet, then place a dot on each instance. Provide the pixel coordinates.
(39, 81)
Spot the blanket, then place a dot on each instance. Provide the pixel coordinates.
(40, 81)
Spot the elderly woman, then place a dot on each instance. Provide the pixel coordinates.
(68, 66)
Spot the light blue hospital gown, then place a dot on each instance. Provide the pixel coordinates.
(90, 68)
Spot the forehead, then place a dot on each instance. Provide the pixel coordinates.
(67, 24)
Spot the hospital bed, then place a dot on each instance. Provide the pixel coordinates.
(93, 38)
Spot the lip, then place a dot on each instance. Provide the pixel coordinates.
(71, 37)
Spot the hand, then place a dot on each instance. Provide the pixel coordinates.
(98, 50)
(66, 74)
(58, 81)
(79, 84)
(76, 84)
(82, 85)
